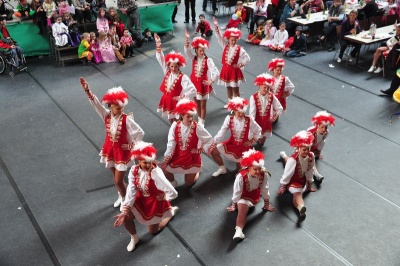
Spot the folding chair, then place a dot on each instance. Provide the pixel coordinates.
(348, 48)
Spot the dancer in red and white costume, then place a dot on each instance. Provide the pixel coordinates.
(204, 73)
(244, 133)
(282, 87)
(298, 174)
(251, 183)
(321, 121)
(148, 195)
(186, 141)
(234, 58)
(175, 85)
(122, 132)
(264, 106)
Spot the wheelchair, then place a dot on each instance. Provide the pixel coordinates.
(8, 62)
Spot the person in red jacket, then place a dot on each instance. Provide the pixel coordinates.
(250, 185)
(7, 44)
(238, 17)
(203, 27)
(298, 174)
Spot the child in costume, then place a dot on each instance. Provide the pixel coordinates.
(282, 87)
(74, 34)
(256, 37)
(203, 27)
(251, 183)
(204, 73)
(50, 8)
(24, 10)
(269, 33)
(244, 133)
(95, 49)
(106, 48)
(186, 141)
(175, 85)
(127, 44)
(280, 38)
(60, 32)
(234, 58)
(102, 21)
(240, 13)
(84, 49)
(122, 132)
(119, 50)
(298, 174)
(148, 195)
(321, 121)
(114, 19)
(264, 106)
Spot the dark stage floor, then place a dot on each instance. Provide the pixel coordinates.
(57, 198)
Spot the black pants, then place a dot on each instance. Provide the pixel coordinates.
(343, 46)
(213, 2)
(192, 4)
(174, 13)
(394, 85)
(330, 33)
(254, 20)
(82, 15)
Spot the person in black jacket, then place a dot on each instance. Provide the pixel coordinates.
(369, 10)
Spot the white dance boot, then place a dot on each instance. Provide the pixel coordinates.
(238, 234)
(134, 240)
(283, 155)
(118, 202)
(221, 171)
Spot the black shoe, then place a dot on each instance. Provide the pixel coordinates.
(186, 21)
(387, 92)
(174, 21)
(194, 21)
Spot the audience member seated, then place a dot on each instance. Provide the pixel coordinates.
(148, 37)
(102, 21)
(368, 10)
(203, 27)
(280, 38)
(106, 48)
(74, 34)
(383, 51)
(82, 11)
(131, 9)
(394, 85)
(336, 15)
(114, 19)
(60, 32)
(9, 45)
(291, 9)
(298, 47)
(313, 5)
(24, 11)
(259, 12)
(269, 33)
(95, 49)
(258, 35)
(119, 50)
(349, 26)
(84, 52)
(39, 17)
(240, 17)
(96, 5)
(5, 12)
(50, 8)
(127, 44)
(62, 7)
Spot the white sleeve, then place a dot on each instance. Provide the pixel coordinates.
(130, 191)
(237, 188)
(276, 107)
(220, 39)
(244, 58)
(204, 137)
(265, 187)
(163, 184)
(188, 53)
(310, 173)
(322, 144)
(188, 88)
(289, 86)
(213, 72)
(100, 109)
(253, 107)
(225, 127)
(171, 141)
(161, 61)
(136, 133)
(255, 130)
(290, 167)
(276, 37)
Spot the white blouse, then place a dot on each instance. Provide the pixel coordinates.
(212, 73)
(244, 58)
(254, 132)
(290, 167)
(275, 110)
(254, 182)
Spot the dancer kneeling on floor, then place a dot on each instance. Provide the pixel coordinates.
(148, 195)
(251, 182)
(298, 174)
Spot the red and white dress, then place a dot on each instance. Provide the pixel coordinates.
(298, 172)
(120, 130)
(173, 85)
(230, 75)
(282, 89)
(265, 110)
(182, 141)
(241, 130)
(148, 195)
(203, 69)
(241, 19)
(248, 189)
(319, 140)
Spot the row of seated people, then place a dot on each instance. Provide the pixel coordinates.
(9, 46)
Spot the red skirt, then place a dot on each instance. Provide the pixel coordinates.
(233, 151)
(231, 74)
(152, 209)
(264, 123)
(201, 89)
(115, 156)
(167, 104)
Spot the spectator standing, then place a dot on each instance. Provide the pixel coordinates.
(259, 12)
(131, 9)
